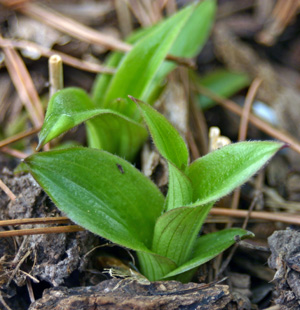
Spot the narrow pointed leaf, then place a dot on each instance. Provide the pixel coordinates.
(66, 109)
(189, 42)
(180, 191)
(102, 81)
(176, 230)
(166, 138)
(139, 66)
(154, 266)
(220, 172)
(222, 82)
(101, 192)
(209, 246)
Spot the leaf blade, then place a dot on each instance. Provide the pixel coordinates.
(176, 230)
(220, 172)
(148, 54)
(154, 266)
(180, 192)
(98, 196)
(166, 138)
(209, 246)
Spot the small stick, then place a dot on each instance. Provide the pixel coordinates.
(244, 128)
(247, 108)
(55, 74)
(19, 136)
(67, 59)
(259, 123)
(12, 152)
(77, 30)
(39, 231)
(42, 220)
(269, 216)
(7, 191)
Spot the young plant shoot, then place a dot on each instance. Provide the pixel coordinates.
(110, 197)
(113, 122)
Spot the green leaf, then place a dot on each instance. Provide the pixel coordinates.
(139, 66)
(176, 230)
(116, 134)
(166, 138)
(180, 192)
(189, 42)
(209, 246)
(154, 266)
(66, 109)
(221, 82)
(106, 129)
(220, 172)
(101, 192)
(102, 81)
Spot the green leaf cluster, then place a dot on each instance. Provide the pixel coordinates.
(107, 195)
(113, 122)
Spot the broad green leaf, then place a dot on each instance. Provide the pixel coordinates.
(166, 138)
(180, 191)
(220, 172)
(222, 82)
(139, 66)
(189, 42)
(106, 129)
(176, 230)
(209, 246)
(101, 192)
(154, 266)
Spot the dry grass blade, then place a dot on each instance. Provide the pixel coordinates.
(24, 85)
(283, 13)
(259, 123)
(13, 152)
(244, 128)
(7, 191)
(77, 30)
(42, 220)
(69, 60)
(40, 230)
(268, 216)
(19, 136)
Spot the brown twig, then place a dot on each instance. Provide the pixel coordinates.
(244, 128)
(24, 84)
(13, 152)
(259, 123)
(253, 89)
(19, 136)
(7, 191)
(77, 30)
(268, 216)
(43, 220)
(67, 59)
(282, 14)
(42, 230)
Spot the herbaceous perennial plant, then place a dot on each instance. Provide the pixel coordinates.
(106, 194)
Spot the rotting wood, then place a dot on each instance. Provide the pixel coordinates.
(111, 294)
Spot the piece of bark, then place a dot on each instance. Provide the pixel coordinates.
(285, 258)
(128, 294)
